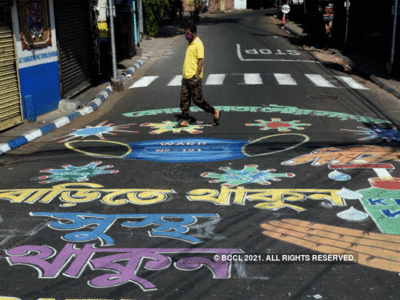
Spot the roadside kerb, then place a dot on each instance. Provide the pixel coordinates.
(350, 63)
(60, 122)
(292, 30)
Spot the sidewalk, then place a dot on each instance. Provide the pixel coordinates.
(89, 100)
(364, 64)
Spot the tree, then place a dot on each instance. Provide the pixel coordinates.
(153, 11)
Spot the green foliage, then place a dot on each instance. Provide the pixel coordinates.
(153, 11)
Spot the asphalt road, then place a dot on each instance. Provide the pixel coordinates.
(293, 196)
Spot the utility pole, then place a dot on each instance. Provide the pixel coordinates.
(140, 11)
(389, 66)
(116, 84)
(347, 22)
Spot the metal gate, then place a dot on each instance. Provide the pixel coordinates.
(10, 102)
(74, 41)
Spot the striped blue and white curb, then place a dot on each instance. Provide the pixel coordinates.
(136, 66)
(89, 108)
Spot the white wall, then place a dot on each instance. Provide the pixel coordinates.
(240, 4)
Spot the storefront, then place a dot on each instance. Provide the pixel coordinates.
(37, 56)
(74, 43)
(10, 100)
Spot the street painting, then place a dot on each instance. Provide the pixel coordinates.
(71, 194)
(194, 149)
(279, 125)
(79, 193)
(169, 126)
(167, 225)
(98, 131)
(365, 154)
(272, 199)
(375, 250)
(249, 174)
(76, 173)
(271, 108)
(117, 274)
(391, 134)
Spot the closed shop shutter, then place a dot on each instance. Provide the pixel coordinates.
(73, 38)
(10, 102)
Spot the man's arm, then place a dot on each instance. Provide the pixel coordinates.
(200, 64)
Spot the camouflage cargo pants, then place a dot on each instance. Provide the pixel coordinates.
(192, 89)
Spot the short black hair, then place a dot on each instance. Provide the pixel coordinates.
(192, 27)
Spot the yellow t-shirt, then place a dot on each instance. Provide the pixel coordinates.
(194, 52)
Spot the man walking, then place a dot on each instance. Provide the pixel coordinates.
(192, 78)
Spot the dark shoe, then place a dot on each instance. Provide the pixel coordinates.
(216, 120)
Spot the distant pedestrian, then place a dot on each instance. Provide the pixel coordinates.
(328, 17)
(205, 8)
(192, 77)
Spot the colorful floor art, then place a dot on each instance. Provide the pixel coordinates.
(389, 135)
(169, 126)
(279, 125)
(192, 149)
(250, 174)
(374, 250)
(272, 108)
(98, 130)
(79, 174)
(367, 154)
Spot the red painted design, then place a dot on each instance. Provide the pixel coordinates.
(362, 166)
(388, 184)
(276, 125)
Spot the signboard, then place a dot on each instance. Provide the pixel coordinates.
(34, 24)
(285, 9)
(327, 17)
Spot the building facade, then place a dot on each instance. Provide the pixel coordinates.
(50, 50)
(10, 95)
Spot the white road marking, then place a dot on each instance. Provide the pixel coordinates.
(177, 81)
(215, 79)
(252, 78)
(239, 54)
(319, 80)
(284, 79)
(352, 83)
(143, 82)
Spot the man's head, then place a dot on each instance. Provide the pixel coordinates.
(190, 31)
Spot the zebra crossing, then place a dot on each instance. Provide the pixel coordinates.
(284, 79)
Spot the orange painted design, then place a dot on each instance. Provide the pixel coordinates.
(374, 250)
(351, 155)
(388, 184)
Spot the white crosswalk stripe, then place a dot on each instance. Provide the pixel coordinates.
(285, 79)
(256, 79)
(252, 78)
(319, 80)
(352, 83)
(177, 81)
(144, 81)
(215, 79)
